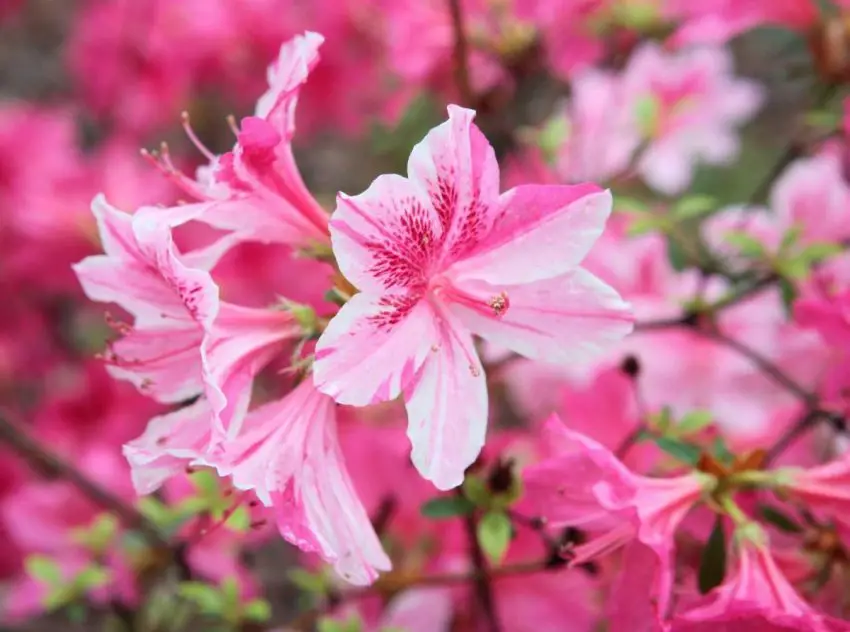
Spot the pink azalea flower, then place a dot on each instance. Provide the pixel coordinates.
(184, 340)
(689, 105)
(602, 135)
(824, 489)
(813, 195)
(289, 455)
(584, 484)
(441, 255)
(756, 597)
(256, 190)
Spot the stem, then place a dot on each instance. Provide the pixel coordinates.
(51, 465)
(481, 579)
(461, 53)
(765, 365)
(803, 425)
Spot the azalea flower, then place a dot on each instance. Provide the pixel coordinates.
(585, 484)
(757, 597)
(441, 255)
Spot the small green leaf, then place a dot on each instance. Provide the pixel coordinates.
(694, 421)
(59, 597)
(43, 569)
(92, 577)
(630, 205)
(156, 511)
(258, 610)
(791, 237)
(712, 566)
(353, 624)
(746, 244)
(694, 206)
(447, 507)
(684, 452)
(816, 252)
(205, 597)
(721, 452)
(477, 491)
(823, 119)
(646, 113)
(494, 535)
(661, 421)
(789, 295)
(644, 225)
(676, 255)
(314, 583)
(779, 519)
(239, 520)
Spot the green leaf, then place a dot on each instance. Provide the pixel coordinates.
(679, 450)
(630, 205)
(823, 119)
(352, 624)
(746, 244)
(789, 295)
(646, 112)
(59, 597)
(813, 253)
(779, 519)
(661, 421)
(314, 583)
(258, 610)
(156, 511)
(694, 421)
(694, 206)
(791, 237)
(721, 452)
(447, 507)
(477, 491)
(676, 255)
(43, 569)
(239, 520)
(205, 597)
(92, 577)
(712, 566)
(494, 535)
(644, 225)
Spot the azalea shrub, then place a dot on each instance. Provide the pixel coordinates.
(433, 316)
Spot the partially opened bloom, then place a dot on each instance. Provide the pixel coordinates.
(584, 484)
(757, 597)
(441, 255)
(288, 453)
(256, 190)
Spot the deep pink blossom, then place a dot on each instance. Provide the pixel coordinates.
(756, 597)
(825, 489)
(440, 255)
(584, 484)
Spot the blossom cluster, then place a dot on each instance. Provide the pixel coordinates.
(530, 375)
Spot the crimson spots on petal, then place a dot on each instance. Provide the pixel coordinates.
(403, 257)
(445, 202)
(393, 310)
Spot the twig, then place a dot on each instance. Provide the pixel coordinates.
(460, 54)
(483, 589)
(50, 464)
(808, 421)
(765, 365)
(394, 584)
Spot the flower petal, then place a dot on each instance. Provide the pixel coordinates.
(542, 231)
(372, 348)
(455, 168)
(564, 320)
(387, 237)
(168, 445)
(447, 407)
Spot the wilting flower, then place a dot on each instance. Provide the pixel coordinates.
(440, 255)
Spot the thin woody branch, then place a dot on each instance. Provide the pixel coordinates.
(460, 55)
(48, 463)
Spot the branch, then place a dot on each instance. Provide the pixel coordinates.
(460, 55)
(764, 364)
(808, 421)
(392, 583)
(483, 589)
(51, 465)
